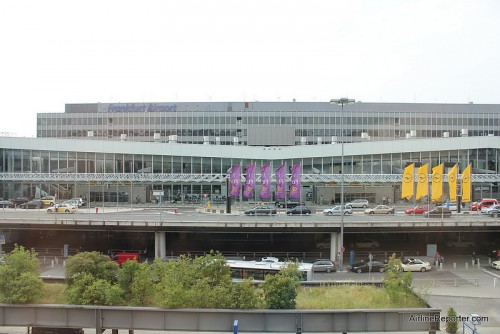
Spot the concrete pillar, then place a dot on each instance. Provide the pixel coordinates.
(160, 245)
(334, 247)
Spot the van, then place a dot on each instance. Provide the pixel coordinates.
(120, 258)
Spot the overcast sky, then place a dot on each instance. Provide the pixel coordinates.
(57, 52)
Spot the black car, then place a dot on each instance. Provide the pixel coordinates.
(288, 204)
(20, 200)
(364, 267)
(34, 204)
(261, 210)
(299, 210)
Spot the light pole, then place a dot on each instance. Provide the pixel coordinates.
(342, 101)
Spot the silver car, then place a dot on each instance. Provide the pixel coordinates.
(336, 210)
(359, 203)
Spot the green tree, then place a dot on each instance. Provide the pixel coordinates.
(92, 280)
(204, 282)
(451, 323)
(397, 283)
(141, 289)
(88, 290)
(280, 290)
(244, 295)
(19, 277)
(95, 264)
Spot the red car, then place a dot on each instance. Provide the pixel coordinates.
(419, 209)
(483, 203)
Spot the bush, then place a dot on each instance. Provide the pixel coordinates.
(452, 324)
(19, 277)
(280, 290)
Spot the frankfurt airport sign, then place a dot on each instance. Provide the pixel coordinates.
(141, 107)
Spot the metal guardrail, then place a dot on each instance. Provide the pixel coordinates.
(446, 282)
(212, 320)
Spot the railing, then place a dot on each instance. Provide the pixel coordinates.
(446, 282)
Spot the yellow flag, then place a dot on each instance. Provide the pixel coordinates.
(466, 184)
(452, 183)
(423, 182)
(408, 182)
(437, 183)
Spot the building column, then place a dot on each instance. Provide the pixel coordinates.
(334, 245)
(160, 245)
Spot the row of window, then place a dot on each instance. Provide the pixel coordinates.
(88, 162)
(327, 121)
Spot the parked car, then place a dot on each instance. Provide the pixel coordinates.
(438, 212)
(48, 200)
(367, 243)
(288, 204)
(323, 244)
(495, 265)
(364, 266)
(419, 209)
(487, 209)
(359, 203)
(493, 211)
(72, 202)
(62, 208)
(381, 209)
(460, 243)
(323, 266)
(19, 200)
(261, 210)
(34, 204)
(484, 202)
(80, 201)
(336, 210)
(6, 204)
(415, 265)
(270, 259)
(299, 210)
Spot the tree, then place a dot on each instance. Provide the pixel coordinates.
(91, 279)
(396, 282)
(452, 323)
(136, 283)
(88, 290)
(280, 290)
(95, 264)
(19, 277)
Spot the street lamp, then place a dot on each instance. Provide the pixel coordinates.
(342, 101)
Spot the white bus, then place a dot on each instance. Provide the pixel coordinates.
(259, 269)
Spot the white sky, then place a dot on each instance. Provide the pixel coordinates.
(71, 51)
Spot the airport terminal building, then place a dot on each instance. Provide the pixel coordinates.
(124, 151)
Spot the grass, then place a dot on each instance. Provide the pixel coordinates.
(352, 297)
(53, 293)
(325, 297)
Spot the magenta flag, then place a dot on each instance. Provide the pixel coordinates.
(234, 181)
(295, 182)
(265, 179)
(249, 182)
(280, 182)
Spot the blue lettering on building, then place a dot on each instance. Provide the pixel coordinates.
(142, 107)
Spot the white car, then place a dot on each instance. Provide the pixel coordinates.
(358, 203)
(416, 265)
(367, 243)
(489, 209)
(495, 265)
(270, 259)
(336, 210)
(62, 208)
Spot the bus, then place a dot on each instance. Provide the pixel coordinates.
(259, 269)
